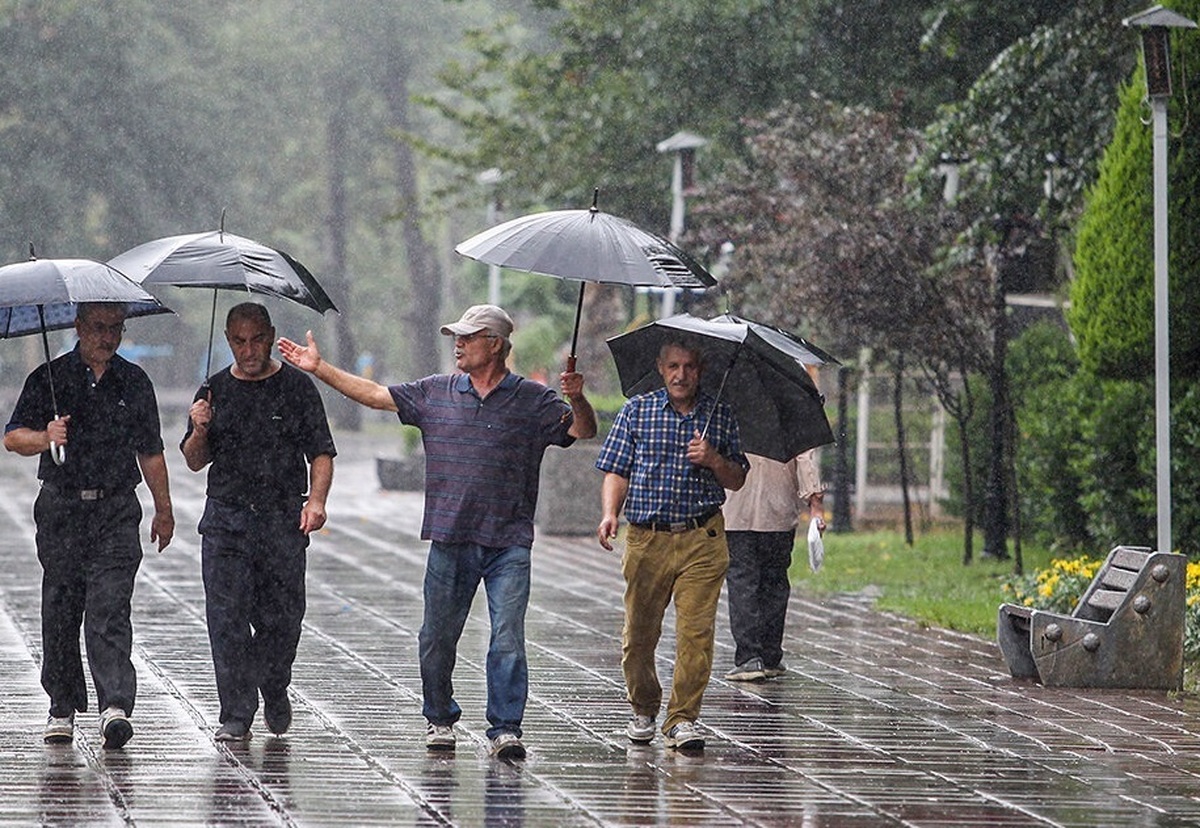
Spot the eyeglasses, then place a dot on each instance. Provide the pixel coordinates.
(463, 339)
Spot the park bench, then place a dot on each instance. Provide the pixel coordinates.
(1125, 632)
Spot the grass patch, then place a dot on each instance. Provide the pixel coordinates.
(926, 582)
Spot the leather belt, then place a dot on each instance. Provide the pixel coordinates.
(80, 494)
(678, 526)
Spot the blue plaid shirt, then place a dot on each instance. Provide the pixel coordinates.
(648, 446)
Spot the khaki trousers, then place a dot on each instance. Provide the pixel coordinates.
(690, 568)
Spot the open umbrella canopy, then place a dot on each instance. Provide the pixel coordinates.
(587, 245)
(222, 261)
(779, 410)
(786, 341)
(42, 294)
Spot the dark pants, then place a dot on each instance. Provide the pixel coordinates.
(90, 552)
(253, 565)
(758, 593)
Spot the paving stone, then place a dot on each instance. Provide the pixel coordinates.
(878, 722)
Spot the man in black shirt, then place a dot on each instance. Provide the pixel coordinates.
(87, 515)
(262, 426)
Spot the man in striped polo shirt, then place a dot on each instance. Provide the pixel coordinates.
(485, 430)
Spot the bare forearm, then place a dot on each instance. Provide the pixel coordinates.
(320, 478)
(360, 389)
(195, 450)
(729, 474)
(26, 441)
(584, 427)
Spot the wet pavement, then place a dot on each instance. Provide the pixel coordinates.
(878, 722)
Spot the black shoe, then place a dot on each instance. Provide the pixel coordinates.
(278, 714)
(233, 731)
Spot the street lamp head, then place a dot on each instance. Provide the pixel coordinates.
(948, 168)
(1156, 23)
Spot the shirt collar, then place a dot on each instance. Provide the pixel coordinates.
(462, 383)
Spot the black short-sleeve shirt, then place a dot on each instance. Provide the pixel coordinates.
(261, 435)
(112, 421)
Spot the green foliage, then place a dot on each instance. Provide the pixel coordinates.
(1050, 401)
(1112, 298)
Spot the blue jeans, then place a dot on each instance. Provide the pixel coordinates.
(452, 576)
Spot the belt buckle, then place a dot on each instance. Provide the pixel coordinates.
(677, 527)
(91, 494)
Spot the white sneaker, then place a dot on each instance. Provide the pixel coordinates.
(640, 729)
(684, 736)
(60, 730)
(439, 737)
(115, 728)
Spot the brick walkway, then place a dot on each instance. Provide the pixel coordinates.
(879, 722)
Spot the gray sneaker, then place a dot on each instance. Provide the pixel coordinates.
(751, 670)
(640, 729)
(685, 736)
(439, 737)
(115, 728)
(776, 671)
(60, 730)
(507, 745)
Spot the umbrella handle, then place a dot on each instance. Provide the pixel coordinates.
(58, 453)
(571, 364)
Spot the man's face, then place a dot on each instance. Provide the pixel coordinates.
(680, 371)
(251, 340)
(100, 332)
(474, 350)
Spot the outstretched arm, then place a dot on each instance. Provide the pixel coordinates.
(360, 389)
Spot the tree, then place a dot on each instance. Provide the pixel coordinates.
(827, 241)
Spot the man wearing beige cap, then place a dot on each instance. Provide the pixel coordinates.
(485, 430)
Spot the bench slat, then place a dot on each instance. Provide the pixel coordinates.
(1118, 578)
(1128, 558)
(1107, 599)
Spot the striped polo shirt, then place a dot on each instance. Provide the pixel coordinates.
(482, 456)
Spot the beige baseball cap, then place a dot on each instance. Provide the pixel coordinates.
(481, 317)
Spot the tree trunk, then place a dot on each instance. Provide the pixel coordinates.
(425, 273)
(968, 490)
(841, 467)
(995, 525)
(901, 447)
(344, 412)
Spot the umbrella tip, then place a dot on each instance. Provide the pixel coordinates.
(595, 200)
(222, 226)
(32, 255)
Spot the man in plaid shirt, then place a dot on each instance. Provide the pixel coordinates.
(668, 460)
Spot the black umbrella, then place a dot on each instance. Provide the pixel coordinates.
(587, 245)
(779, 410)
(222, 261)
(42, 295)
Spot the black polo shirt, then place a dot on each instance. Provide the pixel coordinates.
(112, 421)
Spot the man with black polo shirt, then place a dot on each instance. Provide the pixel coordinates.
(87, 515)
(485, 431)
(261, 424)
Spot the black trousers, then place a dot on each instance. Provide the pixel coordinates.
(90, 553)
(253, 565)
(759, 588)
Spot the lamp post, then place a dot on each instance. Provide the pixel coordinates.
(490, 178)
(683, 179)
(1156, 23)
